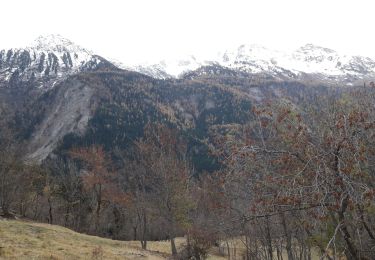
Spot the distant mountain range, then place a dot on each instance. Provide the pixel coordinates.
(307, 62)
(59, 95)
(55, 57)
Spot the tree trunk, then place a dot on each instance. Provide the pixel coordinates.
(288, 238)
(173, 247)
(269, 240)
(228, 249)
(365, 225)
(144, 244)
(135, 233)
(144, 230)
(22, 209)
(50, 220)
(98, 208)
(67, 213)
(318, 243)
(352, 250)
(247, 247)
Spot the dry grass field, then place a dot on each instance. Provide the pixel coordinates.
(29, 240)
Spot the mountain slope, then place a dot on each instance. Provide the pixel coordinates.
(47, 61)
(79, 105)
(112, 108)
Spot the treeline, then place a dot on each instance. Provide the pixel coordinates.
(295, 182)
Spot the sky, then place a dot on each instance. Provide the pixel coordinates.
(151, 30)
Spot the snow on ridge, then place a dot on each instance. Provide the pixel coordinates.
(250, 58)
(57, 43)
(309, 59)
(48, 57)
(168, 68)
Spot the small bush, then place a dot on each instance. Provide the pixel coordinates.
(199, 242)
(97, 253)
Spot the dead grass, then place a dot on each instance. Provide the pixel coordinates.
(26, 240)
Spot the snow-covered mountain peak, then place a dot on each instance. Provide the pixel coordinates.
(167, 68)
(247, 53)
(311, 48)
(55, 57)
(47, 60)
(310, 53)
(57, 43)
(179, 66)
(309, 61)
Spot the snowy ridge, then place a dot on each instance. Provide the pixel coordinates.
(168, 68)
(59, 46)
(56, 43)
(50, 57)
(308, 59)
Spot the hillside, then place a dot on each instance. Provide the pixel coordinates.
(76, 98)
(27, 240)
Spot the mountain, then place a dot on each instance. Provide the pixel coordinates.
(168, 68)
(52, 58)
(48, 60)
(59, 95)
(309, 62)
(112, 108)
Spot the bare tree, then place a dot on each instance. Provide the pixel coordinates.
(163, 155)
(314, 164)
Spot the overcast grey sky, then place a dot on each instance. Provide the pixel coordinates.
(142, 30)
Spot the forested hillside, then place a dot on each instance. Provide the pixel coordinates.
(282, 166)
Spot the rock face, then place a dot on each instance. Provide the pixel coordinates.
(45, 62)
(38, 84)
(69, 110)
